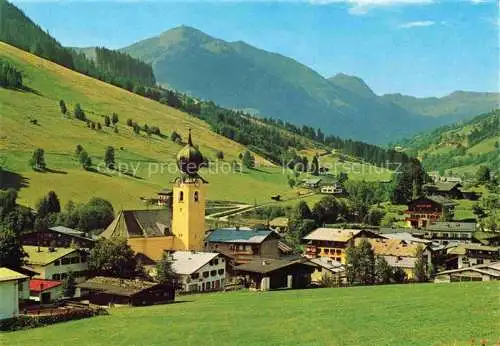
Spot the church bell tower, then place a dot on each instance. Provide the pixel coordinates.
(188, 209)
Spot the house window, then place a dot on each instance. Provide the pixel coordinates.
(196, 196)
(181, 196)
(213, 273)
(65, 261)
(216, 261)
(205, 274)
(479, 261)
(56, 277)
(64, 276)
(57, 263)
(75, 260)
(221, 271)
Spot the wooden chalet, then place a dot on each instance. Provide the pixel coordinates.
(311, 183)
(164, 197)
(481, 272)
(269, 273)
(448, 189)
(58, 236)
(107, 290)
(466, 255)
(445, 232)
(244, 245)
(424, 211)
(332, 242)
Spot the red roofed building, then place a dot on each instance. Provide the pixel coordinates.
(45, 291)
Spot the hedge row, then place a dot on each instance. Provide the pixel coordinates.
(26, 322)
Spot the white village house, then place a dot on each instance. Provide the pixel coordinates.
(13, 289)
(56, 263)
(199, 271)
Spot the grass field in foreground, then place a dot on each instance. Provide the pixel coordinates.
(425, 314)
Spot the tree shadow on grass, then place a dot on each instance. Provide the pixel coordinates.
(93, 170)
(11, 180)
(128, 174)
(30, 90)
(260, 170)
(56, 171)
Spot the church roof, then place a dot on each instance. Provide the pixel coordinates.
(139, 224)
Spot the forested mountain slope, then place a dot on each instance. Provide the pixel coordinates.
(461, 147)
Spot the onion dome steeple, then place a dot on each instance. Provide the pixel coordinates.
(189, 159)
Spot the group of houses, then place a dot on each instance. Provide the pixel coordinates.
(211, 260)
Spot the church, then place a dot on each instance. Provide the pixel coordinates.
(178, 227)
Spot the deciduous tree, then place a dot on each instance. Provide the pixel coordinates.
(62, 106)
(11, 250)
(37, 161)
(112, 257)
(109, 157)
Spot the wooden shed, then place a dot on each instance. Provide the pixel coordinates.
(107, 290)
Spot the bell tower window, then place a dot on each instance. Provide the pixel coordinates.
(181, 196)
(196, 197)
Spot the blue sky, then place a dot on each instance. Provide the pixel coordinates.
(415, 47)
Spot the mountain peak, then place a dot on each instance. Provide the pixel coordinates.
(185, 32)
(352, 83)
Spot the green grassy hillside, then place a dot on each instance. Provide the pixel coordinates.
(140, 155)
(455, 106)
(377, 315)
(461, 147)
(58, 136)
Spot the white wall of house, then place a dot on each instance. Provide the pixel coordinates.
(55, 294)
(58, 271)
(9, 299)
(465, 261)
(24, 290)
(209, 277)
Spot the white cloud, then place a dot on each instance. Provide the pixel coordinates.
(360, 7)
(417, 24)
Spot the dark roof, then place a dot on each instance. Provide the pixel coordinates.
(116, 286)
(267, 265)
(444, 186)
(441, 200)
(284, 247)
(139, 224)
(165, 191)
(452, 226)
(70, 232)
(232, 235)
(311, 181)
